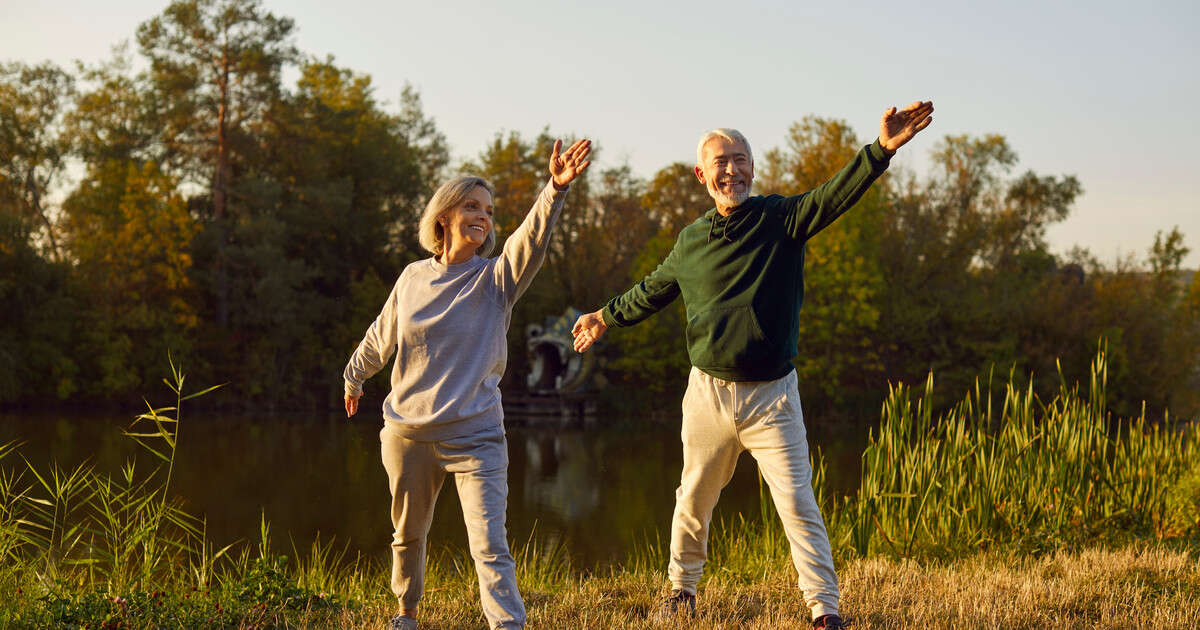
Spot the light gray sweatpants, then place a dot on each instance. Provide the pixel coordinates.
(721, 419)
(415, 473)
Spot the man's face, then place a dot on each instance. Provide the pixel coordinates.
(727, 171)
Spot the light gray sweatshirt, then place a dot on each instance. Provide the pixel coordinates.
(447, 325)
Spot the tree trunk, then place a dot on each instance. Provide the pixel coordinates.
(35, 204)
(220, 188)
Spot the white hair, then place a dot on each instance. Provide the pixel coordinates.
(727, 134)
(431, 234)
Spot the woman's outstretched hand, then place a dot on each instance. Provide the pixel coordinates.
(565, 167)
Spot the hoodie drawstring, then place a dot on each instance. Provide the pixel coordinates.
(724, 226)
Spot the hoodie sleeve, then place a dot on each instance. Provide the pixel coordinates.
(525, 249)
(647, 297)
(376, 347)
(813, 211)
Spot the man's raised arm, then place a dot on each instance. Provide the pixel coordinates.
(813, 211)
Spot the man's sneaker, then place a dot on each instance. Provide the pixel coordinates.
(829, 622)
(402, 622)
(679, 603)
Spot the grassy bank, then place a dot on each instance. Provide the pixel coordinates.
(1135, 586)
(999, 513)
(1152, 588)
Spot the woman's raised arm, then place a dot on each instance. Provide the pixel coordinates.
(525, 249)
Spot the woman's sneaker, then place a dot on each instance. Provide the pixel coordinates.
(402, 622)
(679, 603)
(829, 622)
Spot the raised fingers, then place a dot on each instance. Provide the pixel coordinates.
(579, 150)
(923, 110)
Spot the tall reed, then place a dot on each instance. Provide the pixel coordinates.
(1015, 471)
(80, 547)
(122, 530)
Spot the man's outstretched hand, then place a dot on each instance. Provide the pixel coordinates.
(898, 127)
(588, 329)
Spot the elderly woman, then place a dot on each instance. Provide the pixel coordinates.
(446, 319)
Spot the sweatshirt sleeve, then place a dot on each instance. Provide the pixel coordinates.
(525, 249)
(813, 211)
(376, 347)
(647, 297)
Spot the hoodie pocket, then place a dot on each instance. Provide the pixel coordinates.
(726, 338)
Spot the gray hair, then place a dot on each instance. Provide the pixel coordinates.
(431, 234)
(727, 134)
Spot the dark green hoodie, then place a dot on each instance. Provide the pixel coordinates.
(742, 275)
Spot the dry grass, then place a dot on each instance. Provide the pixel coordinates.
(1142, 587)
(1151, 588)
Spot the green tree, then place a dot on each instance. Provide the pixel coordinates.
(1153, 327)
(129, 232)
(116, 115)
(33, 148)
(36, 291)
(603, 238)
(37, 341)
(215, 67)
(674, 198)
(964, 259)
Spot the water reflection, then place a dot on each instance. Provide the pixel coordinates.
(600, 491)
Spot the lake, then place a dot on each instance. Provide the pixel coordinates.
(601, 490)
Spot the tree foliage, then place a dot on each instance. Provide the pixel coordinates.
(33, 147)
(181, 196)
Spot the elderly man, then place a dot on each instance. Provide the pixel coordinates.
(740, 271)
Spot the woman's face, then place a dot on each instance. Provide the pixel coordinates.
(470, 221)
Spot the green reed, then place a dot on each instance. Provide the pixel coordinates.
(122, 530)
(1013, 471)
(81, 547)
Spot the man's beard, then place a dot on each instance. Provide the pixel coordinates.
(732, 201)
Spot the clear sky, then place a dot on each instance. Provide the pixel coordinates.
(1106, 91)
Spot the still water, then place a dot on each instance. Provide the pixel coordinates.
(601, 490)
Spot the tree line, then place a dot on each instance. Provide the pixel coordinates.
(179, 197)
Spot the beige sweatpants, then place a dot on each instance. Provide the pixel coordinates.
(480, 466)
(721, 419)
